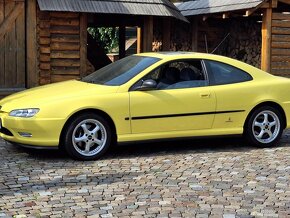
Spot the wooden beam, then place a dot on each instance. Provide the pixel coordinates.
(274, 3)
(139, 40)
(194, 34)
(122, 41)
(2, 45)
(265, 5)
(285, 1)
(266, 40)
(166, 25)
(250, 12)
(1, 11)
(83, 43)
(11, 17)
(147, 34)
(31, 45)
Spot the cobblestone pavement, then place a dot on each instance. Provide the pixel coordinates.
(197, 178)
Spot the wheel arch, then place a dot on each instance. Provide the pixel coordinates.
(271, 104)
(89, 110)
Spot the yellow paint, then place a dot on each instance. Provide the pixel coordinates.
(58, 102)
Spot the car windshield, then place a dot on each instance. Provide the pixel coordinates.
(121, 71)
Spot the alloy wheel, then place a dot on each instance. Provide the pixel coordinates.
(89, 137)
(266, 126)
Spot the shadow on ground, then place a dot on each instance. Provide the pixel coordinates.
(138, 149)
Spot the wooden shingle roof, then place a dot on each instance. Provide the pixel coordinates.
(129, 7)
(197, 7)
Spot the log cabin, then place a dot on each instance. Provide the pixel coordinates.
(47, 41)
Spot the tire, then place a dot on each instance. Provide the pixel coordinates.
(264, 127)
(87, 137)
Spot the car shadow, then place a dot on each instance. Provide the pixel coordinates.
(164, 147)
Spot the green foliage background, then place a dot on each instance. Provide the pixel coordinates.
(106, 37)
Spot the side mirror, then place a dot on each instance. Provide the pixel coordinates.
(147, 85)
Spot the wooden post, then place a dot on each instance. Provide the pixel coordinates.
(194, 34)
(266, 40)
(83, 43)
(31, 45)
(2, 45)
(139, 40)
(166, 33)
(147, 34)
(122, 41)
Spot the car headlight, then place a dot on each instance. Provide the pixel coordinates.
(30, 112)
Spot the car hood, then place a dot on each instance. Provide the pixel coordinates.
(53, 92)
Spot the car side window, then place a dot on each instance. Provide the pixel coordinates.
(221, 73)
(179, 74)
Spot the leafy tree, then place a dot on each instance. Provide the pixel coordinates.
(106, 37)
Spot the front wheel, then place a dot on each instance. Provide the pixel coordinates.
(264, 127)
(87, 137)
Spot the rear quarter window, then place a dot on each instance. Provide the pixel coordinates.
(221, 73)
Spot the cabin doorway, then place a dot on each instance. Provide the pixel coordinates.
(112, 37)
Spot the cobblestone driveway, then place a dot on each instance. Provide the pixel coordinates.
(200, 178)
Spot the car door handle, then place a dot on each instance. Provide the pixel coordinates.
(205, 95)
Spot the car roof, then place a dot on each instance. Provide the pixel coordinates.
(173, 55)
(169, 54)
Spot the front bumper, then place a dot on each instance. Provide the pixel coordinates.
(38, 131)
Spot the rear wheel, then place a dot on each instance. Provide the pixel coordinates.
(264, 127)
(87, 137)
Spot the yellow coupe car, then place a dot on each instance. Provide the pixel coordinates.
(150, 96)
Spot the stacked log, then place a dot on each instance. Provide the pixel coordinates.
(179, 33)
(239, 38)
(245, 41)
(180, 36)
(211, 33)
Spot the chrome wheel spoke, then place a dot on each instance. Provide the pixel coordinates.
(269, 133)
(258, 124)
(85, 128)
(98, 142)
(80, 139)
(95, 130)
(266, 118)
(88, 147)
(273, 124)
(260, 136)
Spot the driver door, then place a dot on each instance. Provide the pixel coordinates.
(185, 104)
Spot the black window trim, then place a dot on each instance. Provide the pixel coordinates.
(210, 73)
(203, 65)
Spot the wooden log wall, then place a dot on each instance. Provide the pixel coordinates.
(59, 39)
(280, 45)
